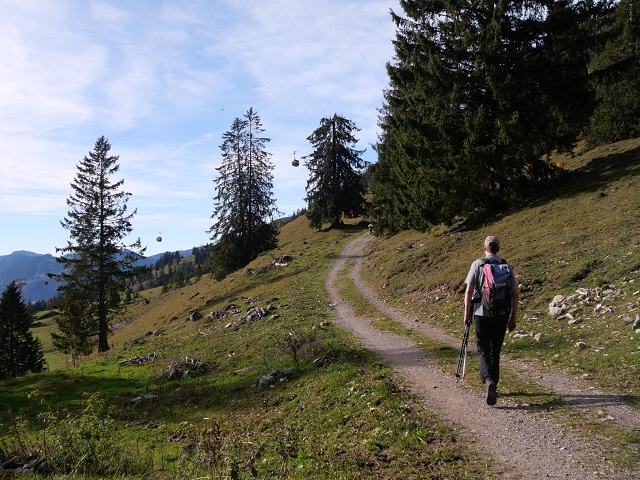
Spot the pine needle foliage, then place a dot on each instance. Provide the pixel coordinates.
(616, 77)
(335, 188)
(20, 351)
(480, 93)
(98, 265)
(244, 203)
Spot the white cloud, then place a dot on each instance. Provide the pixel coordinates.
(162, 80)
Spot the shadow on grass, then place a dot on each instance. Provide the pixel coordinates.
(348, 228)
(187, 399)
(593, 177)
(582, 400)
(67, 390)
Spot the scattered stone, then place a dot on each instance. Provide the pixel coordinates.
(146, 396)
(184, 367)
(320, 325)
(325, 360)
(582, 297)
(276, 262)
(16, 467)
(277, 376)
(139, 360)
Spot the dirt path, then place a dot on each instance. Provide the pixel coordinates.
(519, 443)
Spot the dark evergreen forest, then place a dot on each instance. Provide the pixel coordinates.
(482, 93)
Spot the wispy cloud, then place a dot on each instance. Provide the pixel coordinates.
(163, 80)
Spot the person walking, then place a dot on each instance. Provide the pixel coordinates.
(492, 321)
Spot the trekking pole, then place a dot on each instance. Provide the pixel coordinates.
(462, 360)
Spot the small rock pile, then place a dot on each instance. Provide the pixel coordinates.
(15, 467)
(579, 306)
(277, 376)
(146, 396)
(230, 310)
(275, 263)
(253, 314)
(139, 360)
(582, 297)
(182, 368)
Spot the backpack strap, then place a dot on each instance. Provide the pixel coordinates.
(485, 260)
(477, 294)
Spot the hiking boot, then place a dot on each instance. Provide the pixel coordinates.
(492, 392)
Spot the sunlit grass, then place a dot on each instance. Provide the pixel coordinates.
(341, 415)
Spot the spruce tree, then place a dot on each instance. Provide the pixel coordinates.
(335, 187)
(244, 203)
(20, 351)
(97, 263)
(77, 334)
(479, 93)
(616, 77)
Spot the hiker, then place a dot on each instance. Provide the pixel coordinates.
(492, 316)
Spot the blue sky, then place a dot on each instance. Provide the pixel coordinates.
(163, 80)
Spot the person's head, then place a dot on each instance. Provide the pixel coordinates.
(491, 244)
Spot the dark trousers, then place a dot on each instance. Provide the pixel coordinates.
(490, 332)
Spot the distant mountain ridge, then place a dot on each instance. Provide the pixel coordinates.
(31, 269)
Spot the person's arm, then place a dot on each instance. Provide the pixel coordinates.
(515, 297)
(468, 298)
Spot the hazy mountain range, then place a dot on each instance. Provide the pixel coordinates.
(31, 269)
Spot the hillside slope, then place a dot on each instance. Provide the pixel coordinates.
(580, 238)
(554, 422)
(250, 377)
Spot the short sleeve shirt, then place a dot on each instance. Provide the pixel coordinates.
(473, 278)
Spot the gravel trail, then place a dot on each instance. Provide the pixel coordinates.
(519, 443)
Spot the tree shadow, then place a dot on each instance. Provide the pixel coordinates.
(593, 177)
(347, 227)
(581, 400)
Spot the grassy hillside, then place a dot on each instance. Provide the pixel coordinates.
(177, 395)
(582, 232)
(134, 412)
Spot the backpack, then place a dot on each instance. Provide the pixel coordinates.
(495, 288)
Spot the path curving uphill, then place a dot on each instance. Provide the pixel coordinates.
(519, 443)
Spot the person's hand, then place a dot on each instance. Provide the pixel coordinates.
(512, 324)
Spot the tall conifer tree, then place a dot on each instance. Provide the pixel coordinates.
(20, 351)
(479, 93)
(335, 187)
(244, 202)
(97, 263)
(616, 77)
